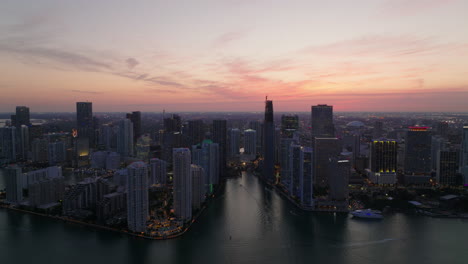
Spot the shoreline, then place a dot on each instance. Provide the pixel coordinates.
(107, 228)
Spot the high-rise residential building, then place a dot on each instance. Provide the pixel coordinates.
(108, 138)
(142, 147)
(418, 143)
(285, 163)
(14, 184)
(84, 120)
(269, 143)
(22, 142)
(182, 182)
(448, 165)
(170, 140)
(22, 116)
(307, 190)
(40, 148)
(277, 145)
(289, 125)
(257, 126)
(206, 155)
(57, 152)
(158, 170)
(137, 196)
(8, 145)
(234, 142)
(198, 186)
(340, 171)
(464, 155)
(196, 132)
(325, 149)
(219, 135)
(322, 121)
(438, 143)
(46, 186)
(250, 142)
(125, 138)
(383, 161)
(173, 124)
(297, 170)
(135, 117)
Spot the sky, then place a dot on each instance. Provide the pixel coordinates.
(228, 55)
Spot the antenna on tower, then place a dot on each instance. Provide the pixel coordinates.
(266, 97)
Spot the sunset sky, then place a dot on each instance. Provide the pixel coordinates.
(226, 55)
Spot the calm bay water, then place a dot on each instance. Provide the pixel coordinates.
(247, 223)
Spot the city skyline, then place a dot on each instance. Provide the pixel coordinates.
(227, 55)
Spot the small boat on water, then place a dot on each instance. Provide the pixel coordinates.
(367, 214)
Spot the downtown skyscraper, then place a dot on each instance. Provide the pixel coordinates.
(135, 117)
(182, 184)
(322, 121)
(137, 196)
(84, 121)
(219, 135)
(464, 155)
(269, 143)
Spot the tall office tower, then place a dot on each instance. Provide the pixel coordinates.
(40, 148)
(46, 186)
(442, 129)
(250, 142)
(135, 117)
(325, 148)
(196, 132)
(219, 135)
(35, 131)
(378, 129)
(340, 171)
(383, 161)
(57, 153)
(84, 120)
(352, 143)
(22, 142)
(182, 184)
(307, 189)
(206, 155)
(285, 163)
(277, 145)
(125, 138)
(438, 143)
(448, 162)
(170, 140)
(158, 171)
(198, 186)
(14, 184)
(173, 124)
(269, 143)
(257, 126)
(322, 121)
(22, 116)
(8, 143)
(234, 142)
(418, 151)
(297, 170)
(107, 136)
(464, 155)
(143, 147)
(137, 196)
(81, 152)
(289, 125)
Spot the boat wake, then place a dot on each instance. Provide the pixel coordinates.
(368, 243)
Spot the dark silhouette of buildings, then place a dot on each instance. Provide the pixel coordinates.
(269, 143)
(322, 121)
